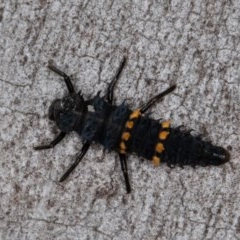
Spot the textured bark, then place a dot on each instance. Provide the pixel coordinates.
(195, 44)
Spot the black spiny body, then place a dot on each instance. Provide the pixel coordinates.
(120, 129)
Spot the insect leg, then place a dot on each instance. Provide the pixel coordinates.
(125, 171)
(66, 78)
(53, 143)
(149, 104)
(109, 94)
(81, 154)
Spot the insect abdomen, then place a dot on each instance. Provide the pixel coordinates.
(181, 148)
(160, 143)
(118, 128)
(144, 137)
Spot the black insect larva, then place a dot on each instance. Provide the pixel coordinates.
(123, 130)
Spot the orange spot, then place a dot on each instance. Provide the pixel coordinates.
(122, 146)
(129, 124)
(126, 136)
(135, 114)
(166, 124)
(163, 135)
(156, 161)
(159, 147)
(122, 151)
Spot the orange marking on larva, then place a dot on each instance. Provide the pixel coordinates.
(166, 124)
(126, 136)
(160, 148)
(156, 161)
(122, 151)
(135, 114)
(122, 146)
(129, 124)
(163, 135)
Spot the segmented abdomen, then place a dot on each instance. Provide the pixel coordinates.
(159, 142)
(120, 129)
(184, 149)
